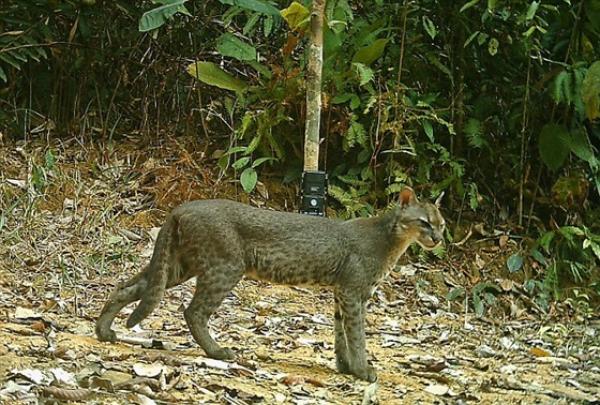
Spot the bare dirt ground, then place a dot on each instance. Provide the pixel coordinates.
(75, 222)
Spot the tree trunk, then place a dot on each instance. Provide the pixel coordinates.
(313, 88)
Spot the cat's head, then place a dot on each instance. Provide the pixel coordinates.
(421, 221)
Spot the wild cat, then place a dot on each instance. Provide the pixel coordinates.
(220, 241)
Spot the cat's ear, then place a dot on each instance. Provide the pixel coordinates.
(438, 201)
(407, 197)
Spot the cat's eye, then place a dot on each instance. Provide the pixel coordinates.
(425, 224)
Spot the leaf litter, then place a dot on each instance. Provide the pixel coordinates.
(65, 244)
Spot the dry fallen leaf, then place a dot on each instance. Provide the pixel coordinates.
(502, 241)
(26, 313)
(539, 352)
(33, 375)
(147, 370)
(63, 377)
(437, 389)
(506, 284)
(38, 326)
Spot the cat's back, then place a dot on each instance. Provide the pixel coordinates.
(247, 219)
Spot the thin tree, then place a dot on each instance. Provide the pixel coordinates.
(313, 88)
(314, 181)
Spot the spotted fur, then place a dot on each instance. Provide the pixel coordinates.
(220, 241)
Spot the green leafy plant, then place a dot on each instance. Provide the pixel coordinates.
(575, 253)
(18, 48)
(481, 294)
(158, 16)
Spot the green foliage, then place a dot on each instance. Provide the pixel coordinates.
(554, 145)
(590, 91)
(370, 53)
(230, 45)
(575, 252)
(514, 262)
(482, 294)
(297, 16)
(248, 179)
(17, 48)
(474, 133)
(158, 16)
(475, 97)
(210, 73)
(254, 5)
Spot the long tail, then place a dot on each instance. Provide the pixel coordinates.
(156, 275)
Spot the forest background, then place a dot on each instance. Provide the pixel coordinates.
(494, 102)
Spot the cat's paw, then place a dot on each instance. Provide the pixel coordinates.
(367, 374)
(223, 353)
(106, 334)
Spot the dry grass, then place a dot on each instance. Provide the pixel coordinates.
(73, 226)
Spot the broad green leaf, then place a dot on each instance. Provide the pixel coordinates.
(429, 27)
(254, 5)
(580, 145)
(268, 25)
(297, 16)
(558, 93)
(369, 54)
(491, 5)
(596, 249)
(236, 149)
(50, 159)
(230, 45)
(209, 73)
(248, 179)
(554, 145)
(590, 92)
(354, 101)
(262, 160)
(532, 10)
(568, 231)
(538, 256)
(260, 68)
(241, 162)
(468, 5)
(428, 128)
(156, 17)
(478, 305)
(455, 293)
(341, 98)
(254, 144)
(514, 263)
(251, 23)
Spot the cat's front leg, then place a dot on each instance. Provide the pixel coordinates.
(342, 361)
(352, 309)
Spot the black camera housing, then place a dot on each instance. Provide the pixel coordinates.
(313, 195)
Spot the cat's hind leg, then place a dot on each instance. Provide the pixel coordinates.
(212, 287)
(126, 293)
